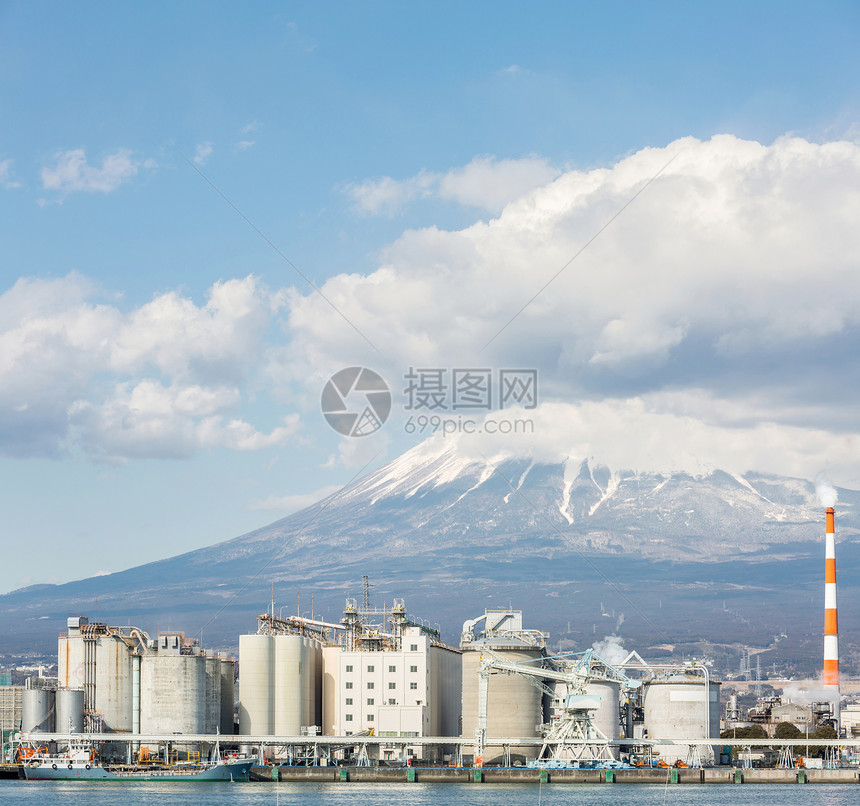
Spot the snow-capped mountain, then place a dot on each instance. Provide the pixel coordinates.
(718, 555)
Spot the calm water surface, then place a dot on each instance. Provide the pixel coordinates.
(47, 793)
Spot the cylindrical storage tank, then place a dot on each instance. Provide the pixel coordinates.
(211, 722)
(329, 659)
(290, 651)
(69, 711)
(514, 705)
(173, 693)
(256, 680)
(113, 683)
(681, 706)
(312, 681)
(606, 718)
(228, 669)
(37, 710)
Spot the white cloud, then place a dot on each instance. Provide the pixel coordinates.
(287, 504)
(244, 145)
(630, 435)
(387, 196)
(489, 184)
(730, 284)
(203, 152)
(485, 183)
(253, 126)
(163, 379)
(6, 175)
(73, 173)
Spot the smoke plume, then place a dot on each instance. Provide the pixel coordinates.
(825, 491)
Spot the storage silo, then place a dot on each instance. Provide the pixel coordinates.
(69, 711)
(607, 718)
(256, 684)
(329, 661)
(514, 705)
(37, 710)
(296, 688)
(172, 693)
(681, 706)
(211, 722)
(113, 683)
(228, 696)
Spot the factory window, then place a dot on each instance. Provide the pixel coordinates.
(349, 717)
(371, 701)
(413, 686)
(392, 668)
(370, 717)
(348, 733)
(348, 685)
(370, 685)
(369, 668)
(413, 647)
(349, 668)
(413, 668)
(349, 700)
(392, 702)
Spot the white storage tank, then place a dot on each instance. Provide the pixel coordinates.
(113, 683)
(256, 684)
(296, 687)
(37, 710)
(681, 706)
(514, 705)
(69, 711)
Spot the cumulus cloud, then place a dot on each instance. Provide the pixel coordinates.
(629, 435)
(66, 360)
(486, 183)
(387, 196)
(71, 171)
(489, 184)
(6, 175)
(726, 292)
(203, 152)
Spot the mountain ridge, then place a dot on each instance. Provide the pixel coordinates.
(453, 535)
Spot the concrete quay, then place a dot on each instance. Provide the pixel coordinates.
(503, 775)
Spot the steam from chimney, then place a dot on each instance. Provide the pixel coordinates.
(825, 491)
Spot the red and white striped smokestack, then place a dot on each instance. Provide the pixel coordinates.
(831, 628)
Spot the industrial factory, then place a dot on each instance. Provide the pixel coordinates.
(380, 686)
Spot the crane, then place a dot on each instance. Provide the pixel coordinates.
(574, 730)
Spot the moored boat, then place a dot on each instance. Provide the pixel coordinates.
(78, 763)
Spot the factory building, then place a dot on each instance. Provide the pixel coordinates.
(118, 679)
(393, 676)
(515, 707)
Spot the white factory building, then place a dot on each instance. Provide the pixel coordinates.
(410, 691)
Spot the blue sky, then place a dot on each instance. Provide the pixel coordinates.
(430, 167)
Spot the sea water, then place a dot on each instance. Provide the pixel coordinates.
(51, 793)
